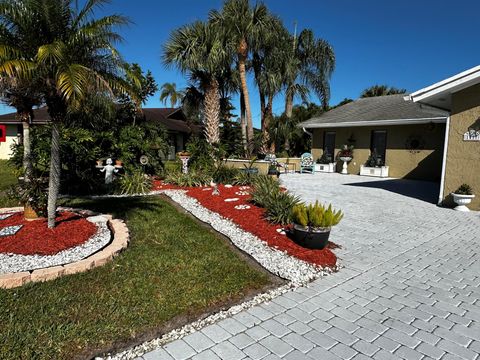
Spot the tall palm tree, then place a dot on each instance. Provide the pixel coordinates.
(169, 91)
(204, 54)
(309, 67)
(267, 61)
(20, 93)
(77, 57)
(243, 24)
(381, 90)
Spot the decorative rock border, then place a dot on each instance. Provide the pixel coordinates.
(121, 238)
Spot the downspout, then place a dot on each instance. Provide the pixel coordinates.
(307, 132)
(444, 162)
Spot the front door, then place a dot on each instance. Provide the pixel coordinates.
(378, 146)
(329, 144)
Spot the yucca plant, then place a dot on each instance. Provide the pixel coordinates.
(135, 183)
(191, 179)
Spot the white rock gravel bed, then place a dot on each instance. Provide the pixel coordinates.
(10, 263)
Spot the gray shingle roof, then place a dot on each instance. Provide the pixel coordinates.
(390, 107)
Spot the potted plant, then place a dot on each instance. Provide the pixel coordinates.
(325, 164)
(273, 171)
(346, 155)
(462, 197)
(250, 169)
(33, 195)
(312, 224)
(373, 166)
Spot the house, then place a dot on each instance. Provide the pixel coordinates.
(432, 134)
(173, 119)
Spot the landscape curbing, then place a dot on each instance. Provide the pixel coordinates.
(120, 241)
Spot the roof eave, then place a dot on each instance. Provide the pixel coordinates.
(419, 121)
(447, 86)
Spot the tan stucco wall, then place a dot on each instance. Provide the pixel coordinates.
(5, 147)
(424, 164)
(463, 157)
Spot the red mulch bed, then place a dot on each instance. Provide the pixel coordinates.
(253, 221)
(35, 238)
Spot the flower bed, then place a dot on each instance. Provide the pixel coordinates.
(251, 218)
(34, 238)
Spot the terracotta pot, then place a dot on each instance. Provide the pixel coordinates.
(29, 213)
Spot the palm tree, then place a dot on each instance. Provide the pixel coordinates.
(77, 57)
(16, 92)
(309, 66)
(267, 63)
(169, 91)
(381, 90)
(204, 54)
(243, 24)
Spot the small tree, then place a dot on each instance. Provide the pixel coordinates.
(381, 90)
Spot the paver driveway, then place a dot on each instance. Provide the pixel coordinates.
(410, 286)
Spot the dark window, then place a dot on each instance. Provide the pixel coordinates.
(378, 146)
(329, 144)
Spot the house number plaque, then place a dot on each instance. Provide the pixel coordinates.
(471, 135)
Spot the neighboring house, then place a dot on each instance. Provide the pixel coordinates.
(432, 134)
(11, 130)
(173, 119)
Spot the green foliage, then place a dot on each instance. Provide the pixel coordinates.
(278, 204)
(464, 189)
(381, 90)
(192, 178)
(84, 141)
(316, 215)
(245, 178)
(202, 154)
(33, 192)
(135, 182)
(372, 160)
(225, 175)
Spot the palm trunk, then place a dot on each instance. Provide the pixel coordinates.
(242, 58)
(243, 125)
(289, 105)
(266, 125)
(212, 113)
(27, 152)
(54, 178)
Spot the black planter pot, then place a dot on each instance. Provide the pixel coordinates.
(310, 238)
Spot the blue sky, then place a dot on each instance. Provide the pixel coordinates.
(408, 44)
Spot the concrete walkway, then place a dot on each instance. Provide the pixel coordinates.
(409, 289)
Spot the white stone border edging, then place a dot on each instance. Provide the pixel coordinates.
(298, 272)
(119, 242)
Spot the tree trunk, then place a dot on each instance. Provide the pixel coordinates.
(289, 105)
(55, 171)
(242, 58)
(212, 113)
(243, 125)
(266, 125)
(27, 152)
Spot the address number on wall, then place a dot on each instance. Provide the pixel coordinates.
(471, 135)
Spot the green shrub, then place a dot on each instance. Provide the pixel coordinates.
(225, 174)
(192, 178)
(33, 192)
(278, 204)
(464, 189)
(316, 215)
(135, 182)
(244, 178)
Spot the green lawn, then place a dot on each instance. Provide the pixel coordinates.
(7, 178)
(174, 268)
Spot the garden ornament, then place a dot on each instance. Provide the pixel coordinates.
(109, 169)
(215, 188)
